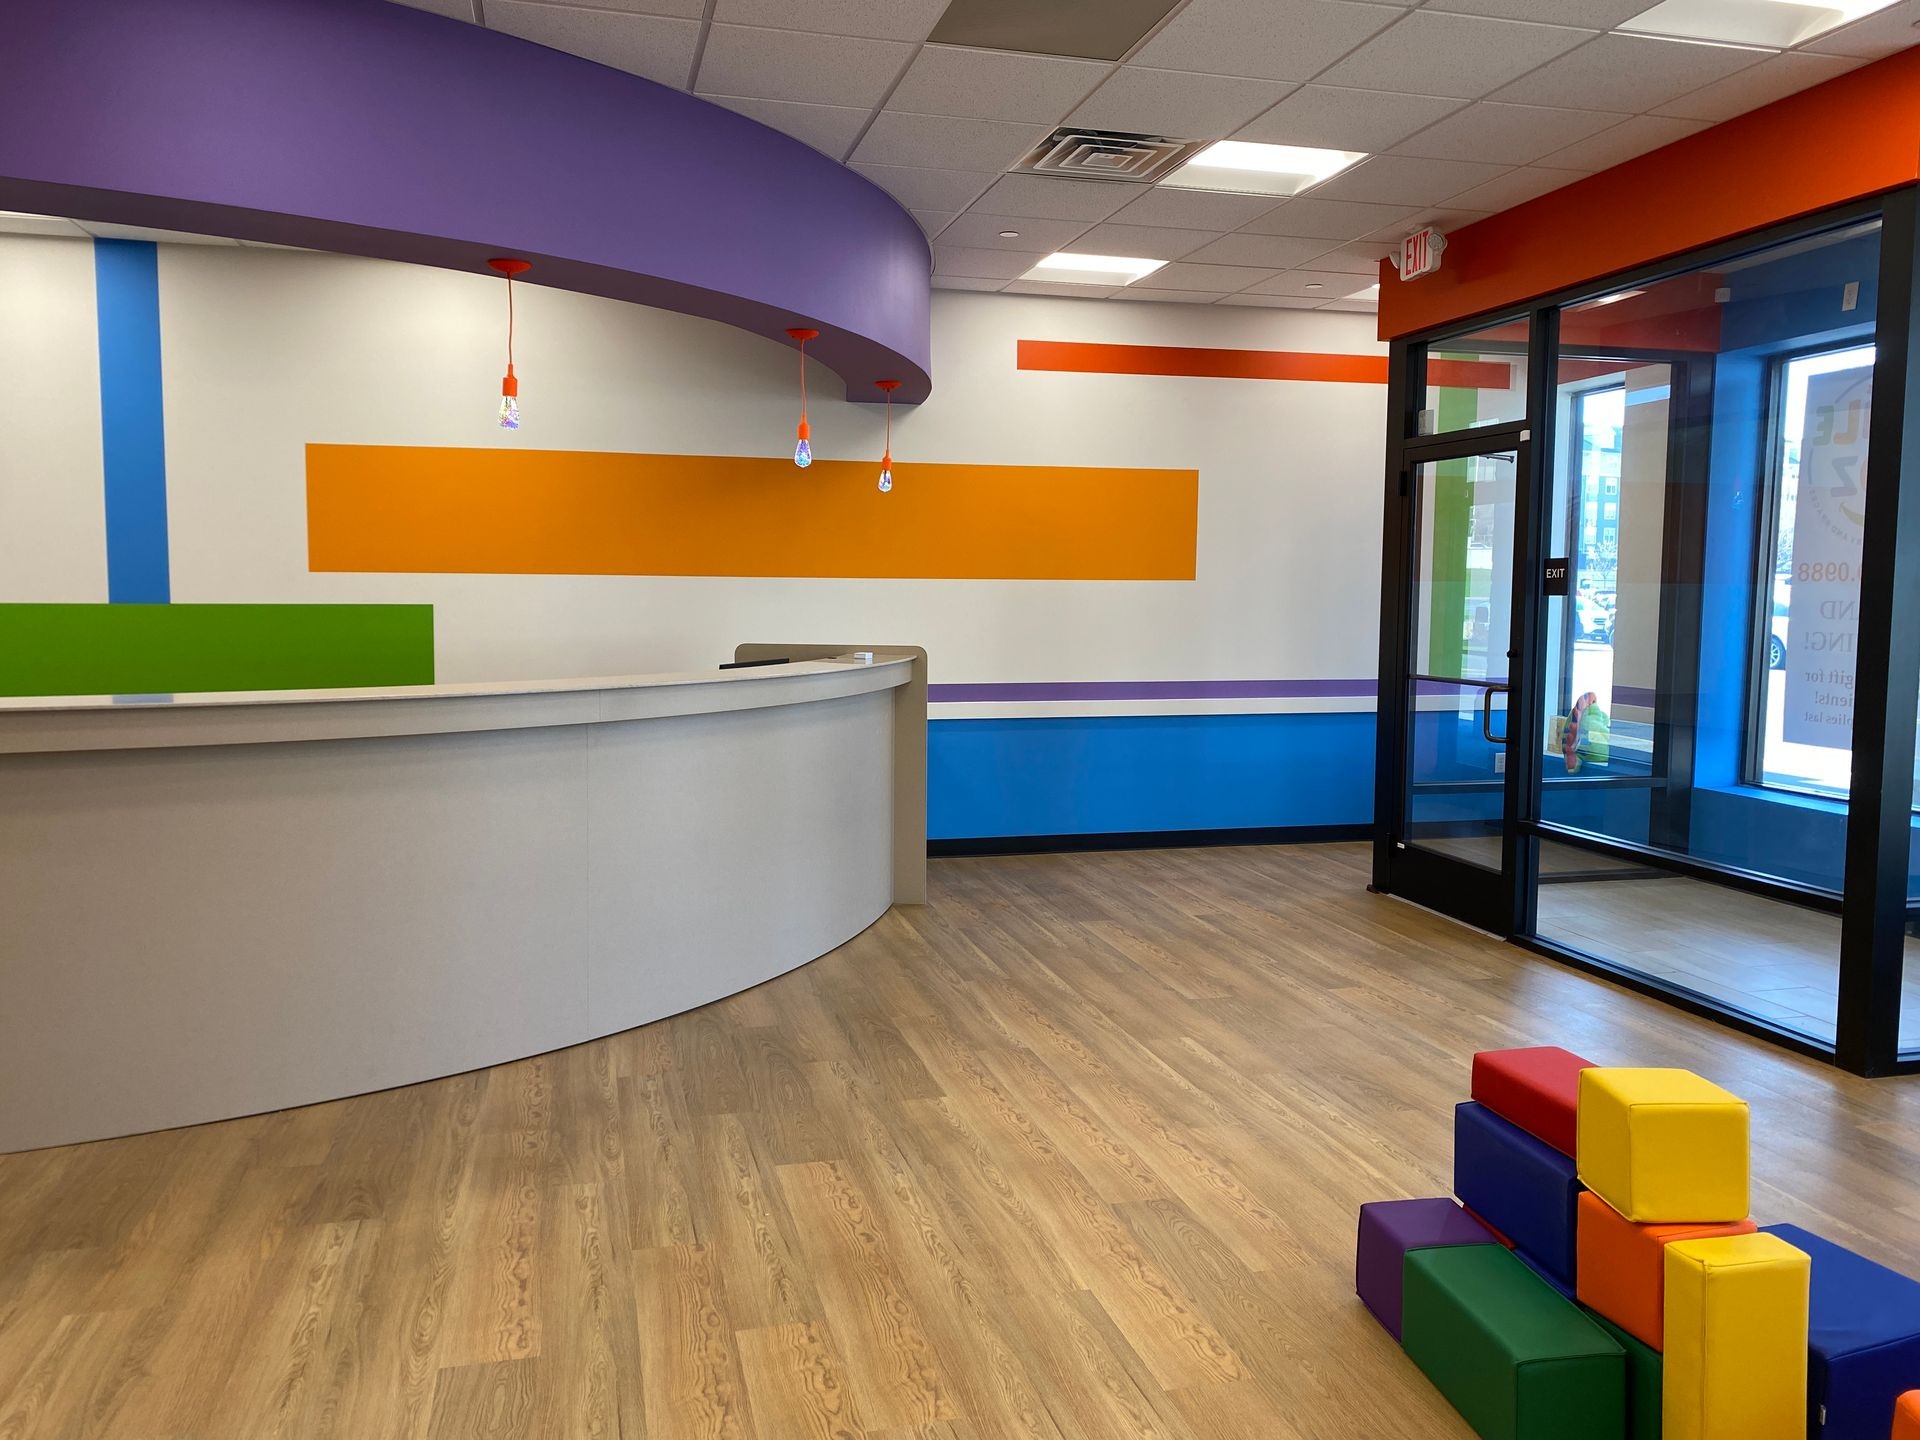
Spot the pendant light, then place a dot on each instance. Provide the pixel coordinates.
(886, 460)
(803, 452)
(510, 387)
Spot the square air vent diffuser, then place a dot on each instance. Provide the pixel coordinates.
(1107, 155)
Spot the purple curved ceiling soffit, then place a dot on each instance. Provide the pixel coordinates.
(369, 128)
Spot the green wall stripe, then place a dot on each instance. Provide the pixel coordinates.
(169, 649)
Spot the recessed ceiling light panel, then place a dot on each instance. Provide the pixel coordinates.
(1246, 168)
(1778, 23)
(1063, 268)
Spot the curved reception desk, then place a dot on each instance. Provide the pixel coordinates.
(215, 905)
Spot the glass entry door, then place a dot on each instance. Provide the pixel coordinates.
(1451, 844)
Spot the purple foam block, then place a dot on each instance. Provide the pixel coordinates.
(1388, 1230)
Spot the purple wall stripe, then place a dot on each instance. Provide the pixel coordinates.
(1153, 690)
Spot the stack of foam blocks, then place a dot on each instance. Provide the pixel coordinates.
(1598, 1276)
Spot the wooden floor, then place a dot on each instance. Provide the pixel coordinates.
(1073, 1152)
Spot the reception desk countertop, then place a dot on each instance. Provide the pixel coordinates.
(221, 904)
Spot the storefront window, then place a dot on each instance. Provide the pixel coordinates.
(1475, 379)
(1709, 467)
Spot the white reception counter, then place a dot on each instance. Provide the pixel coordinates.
(214, 905)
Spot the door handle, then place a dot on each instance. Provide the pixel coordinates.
(1486, 713)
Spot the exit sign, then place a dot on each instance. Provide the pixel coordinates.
(1420, 253)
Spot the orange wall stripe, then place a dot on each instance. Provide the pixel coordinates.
(1087, 358)
(426, 509)
(1851, 137)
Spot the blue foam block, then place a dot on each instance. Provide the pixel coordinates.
(1521, 1186)
(1863, 1340)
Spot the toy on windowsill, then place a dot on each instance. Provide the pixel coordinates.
(1583, 737)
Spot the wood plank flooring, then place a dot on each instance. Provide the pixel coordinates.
(1072, 1153)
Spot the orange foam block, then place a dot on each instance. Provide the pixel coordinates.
(1621, 1266)
(1906, 1417)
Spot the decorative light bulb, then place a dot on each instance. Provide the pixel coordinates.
(509, 413)
(886, 475)
(803, 454)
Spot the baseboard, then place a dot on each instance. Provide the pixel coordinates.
(1147, 840)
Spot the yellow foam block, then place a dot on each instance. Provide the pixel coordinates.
(1736, 1336)
(1663, 1146)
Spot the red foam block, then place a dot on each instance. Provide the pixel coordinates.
(1537, 1088)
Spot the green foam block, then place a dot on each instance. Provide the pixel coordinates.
(1516, 1358)
(1643, 1380)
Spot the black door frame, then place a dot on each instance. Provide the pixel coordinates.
(1874, 907)
(1484, 898)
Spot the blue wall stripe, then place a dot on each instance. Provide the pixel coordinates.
(132, 424)
(1086, 775)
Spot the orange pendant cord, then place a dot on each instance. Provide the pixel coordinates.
(886, 460)
(510, 267)
(800, 337)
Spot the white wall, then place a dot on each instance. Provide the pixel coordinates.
(266, 350)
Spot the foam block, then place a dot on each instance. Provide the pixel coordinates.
(1516, 1360)
(1736, 1330)
(1663, 1146)
(1389, 1230)
(1863, 1339)
(1906, 1417)
(1522, 1187)
(1621, 1269)
(1537, 1088)
(1644, 1368)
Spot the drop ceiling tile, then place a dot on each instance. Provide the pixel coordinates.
(684, 9)
(1150, 242)
(1171, 102)
(985, 264)
(1354, 305)
(1194, 209)
(1274, 302)
(944, 142)
(830, 129)
(1366, 120)
(1403, 180)
(1624, 141)
(1876, 36)
(1588, 14)
(452, 9)
(1271, 251)
(993, 85)
(792, 65)
(1358, 259)
(1093, 29)
(1314, 284)
(16, 222)
(1068, 292)
(1313, 218)
(1264, 39)
(983, 230)
(1462, 56)
(1172, 297)
(1445, 219)
(1762, 84)
(1049, 197)
(1505, 134)
(920, 188)
(894, 20)
(965, 282)
(1220, 279)
(647, 45)
(932, 221)
(1629, 73)
(1516, 187)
